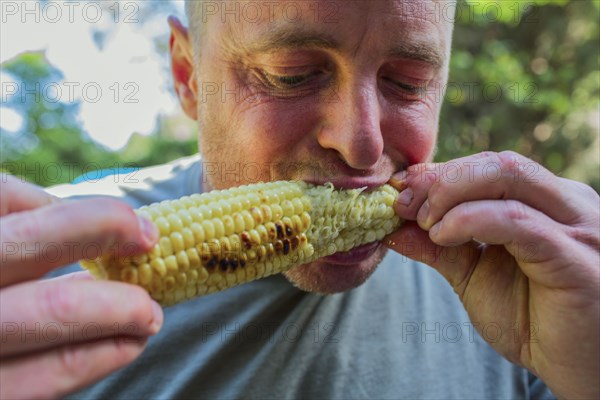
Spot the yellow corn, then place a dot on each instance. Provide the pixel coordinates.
(213, 241)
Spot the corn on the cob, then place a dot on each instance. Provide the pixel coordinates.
(213, 241)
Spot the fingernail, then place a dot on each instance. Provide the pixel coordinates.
(405, 197)
(149, 231)
(398, 184)
(158, 317)
(435, 229)
(398, 178)
(423, 213)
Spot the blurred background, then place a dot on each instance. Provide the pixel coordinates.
(87, 86)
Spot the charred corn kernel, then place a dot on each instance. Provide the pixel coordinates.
(213, 241)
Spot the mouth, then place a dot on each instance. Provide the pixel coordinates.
(363, 252)
(354, 256)
(368, 184)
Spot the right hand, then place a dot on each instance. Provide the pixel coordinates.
(60, 335)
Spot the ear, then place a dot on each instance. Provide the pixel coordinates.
(182, 65)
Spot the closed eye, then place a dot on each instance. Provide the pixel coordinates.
(283, 82)
(408, 91)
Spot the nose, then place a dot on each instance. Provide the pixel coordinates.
(352, 126)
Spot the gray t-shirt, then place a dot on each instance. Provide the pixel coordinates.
(402, 334)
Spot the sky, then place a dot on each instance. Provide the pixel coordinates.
(120, 80)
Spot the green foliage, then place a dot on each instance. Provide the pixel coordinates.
(527, 82)
(524, 76)
(52, 148)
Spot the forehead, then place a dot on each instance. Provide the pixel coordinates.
(342, 23)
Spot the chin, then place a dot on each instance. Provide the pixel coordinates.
(325, 277)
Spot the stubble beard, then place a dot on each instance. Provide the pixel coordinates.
(327, 278)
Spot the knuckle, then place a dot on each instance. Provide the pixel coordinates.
(436, 197)
(430, 178)
(126, 303)
(585, 235)
(488, 154)
(118, 224)
(509, 162)
(22, 228)
(72, 362)
(119, 215)
(508, 154)
(140, 307)
(127, 350)
(59, 302)
(521, 169)
(515, 210)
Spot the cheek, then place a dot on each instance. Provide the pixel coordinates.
(278, 129)
(262, 137)
(412, 133)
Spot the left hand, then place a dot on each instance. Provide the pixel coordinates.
(521, 248)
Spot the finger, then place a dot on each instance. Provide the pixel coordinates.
(531, 237)
(505, 175)
(68, 310)
(37, 241)
(57, 372)
(412, 196)
(414, 184)
(17, 195)
(454, 263)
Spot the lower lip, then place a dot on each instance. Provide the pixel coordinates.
(353, 256)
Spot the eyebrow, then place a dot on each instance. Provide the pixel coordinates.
(420, 52)
(286, 39)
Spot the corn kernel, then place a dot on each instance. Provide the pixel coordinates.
(220, 239)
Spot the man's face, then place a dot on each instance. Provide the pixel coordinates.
(346, 92)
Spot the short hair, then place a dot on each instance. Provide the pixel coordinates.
(196, 25)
